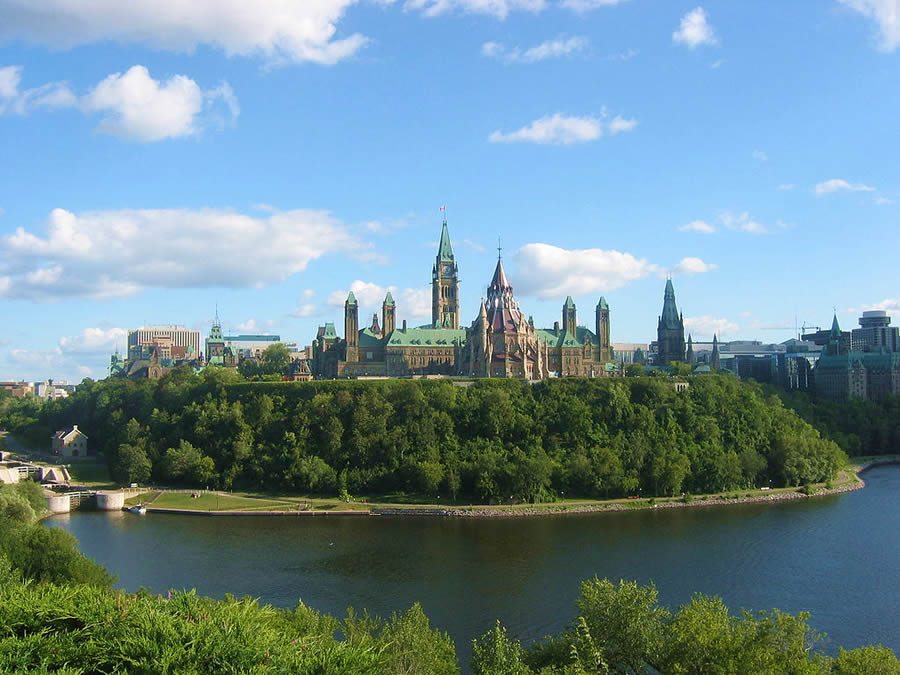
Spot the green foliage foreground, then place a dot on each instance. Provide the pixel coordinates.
(78, 629)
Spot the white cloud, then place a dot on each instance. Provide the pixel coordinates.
(700, 226)
(587, 5)
(411, 302)
(694, 30)
(627, 55)
(308, 293)
(249, 326)
(12, 100)
(785, 186)
(549, 49)
(742, 222)
(760, 156)
(559, 129)
(305, 310)
(415, 302)
(707, 326)
(367, 294)
(474, 245)
(84, 370)
(885, 13)
(551, 272)
(837, 184)
(880, 201)
(105, 254)
(888, 304)
(691, 266)
(278, 30)
(497, 8)
(94, 341)
(135, 106)
(620, 124)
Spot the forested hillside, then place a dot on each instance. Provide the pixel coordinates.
(489, 440)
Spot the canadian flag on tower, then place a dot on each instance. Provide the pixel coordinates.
(443, 208)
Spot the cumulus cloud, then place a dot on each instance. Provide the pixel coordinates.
(700, 226)
(305, 310)
(411, 302)
(559, 129)
(278, 30)
(707, 326)
(554, 271)
(93, 341)
(549, 49)
(104, 254)
(694, 30)
(134, 106)
(886, 15)
(691, 266)
(839, 184)
(880, 201)
(742, 222)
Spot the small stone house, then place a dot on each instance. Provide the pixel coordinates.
(69, 443)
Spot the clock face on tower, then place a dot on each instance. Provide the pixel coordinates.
(447, 269)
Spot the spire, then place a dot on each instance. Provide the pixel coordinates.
(389, 299)
(602, 304)
(445, 250)
(689, 358)
(835, 328)
(714, 358)
(570, 304)
(351, 299)
(670, 316)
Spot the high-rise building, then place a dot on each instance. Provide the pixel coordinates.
(173, 342)
(875, 333)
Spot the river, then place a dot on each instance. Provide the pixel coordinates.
(836, 557)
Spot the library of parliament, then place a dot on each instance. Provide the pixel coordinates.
(500, 342)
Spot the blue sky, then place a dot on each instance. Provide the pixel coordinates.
(159, 157)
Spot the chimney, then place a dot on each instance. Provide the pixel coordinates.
(404, 325)
(556, 328)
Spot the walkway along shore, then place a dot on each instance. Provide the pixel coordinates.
(851, 481)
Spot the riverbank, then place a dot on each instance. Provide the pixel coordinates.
(223, 504)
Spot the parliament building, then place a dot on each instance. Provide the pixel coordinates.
(500, 342)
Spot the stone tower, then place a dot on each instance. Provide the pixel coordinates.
(568, 316)
(670, 329)
(690, 358)
(388, 315)
(351, 328)
(602, 326)
(445, 285)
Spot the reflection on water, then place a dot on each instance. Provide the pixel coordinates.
(835, 557)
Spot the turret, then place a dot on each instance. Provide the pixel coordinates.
(388, 314)
(714, 358)
(351, 327)
(690, 358)
(602, 326)
(568, 315)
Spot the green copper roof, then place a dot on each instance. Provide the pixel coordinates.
(445, 251)
(565, 339)
(602, 304)
(570, 304)
(389, 299)
(369, 339)
(669, 318)
(426, 337)
(328, 331)
(351, 299)
(835, 328)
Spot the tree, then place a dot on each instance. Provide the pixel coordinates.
(187, 463)
(132, 464)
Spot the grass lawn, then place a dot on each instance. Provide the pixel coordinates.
(209, 501)
(91, 474)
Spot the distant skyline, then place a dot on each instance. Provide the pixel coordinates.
(161, 158)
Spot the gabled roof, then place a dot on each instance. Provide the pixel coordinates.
(369, 338)
(445, 251)
(581, 337)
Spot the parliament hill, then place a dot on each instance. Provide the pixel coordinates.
(499, 342)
